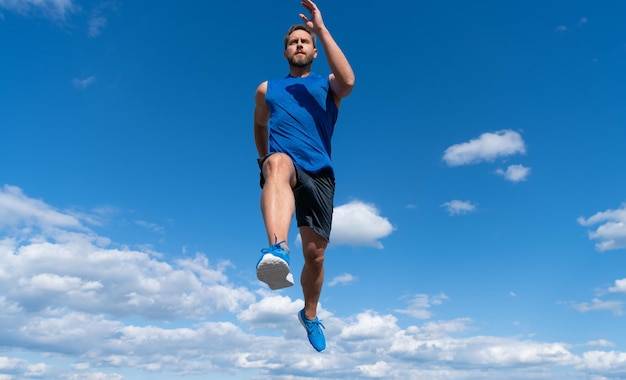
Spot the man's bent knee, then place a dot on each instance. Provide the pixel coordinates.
(279, 165)
(277, 161)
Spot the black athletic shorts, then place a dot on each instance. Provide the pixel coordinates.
(314, 195)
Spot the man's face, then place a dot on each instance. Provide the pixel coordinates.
(300, 51)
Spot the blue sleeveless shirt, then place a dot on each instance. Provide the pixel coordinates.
(303, 113)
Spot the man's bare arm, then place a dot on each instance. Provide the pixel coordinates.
(261, 118)
(342, 77)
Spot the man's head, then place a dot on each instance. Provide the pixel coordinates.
(293, 28)
(300, 46)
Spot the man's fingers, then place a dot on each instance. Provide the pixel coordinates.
(309, 5)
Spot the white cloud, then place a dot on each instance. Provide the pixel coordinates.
(562, 28)
(487, 147)
(56, 266)
(609, 362)
(600, 305)
(59, 10)
(15, 366)
(369, 326)
(21, 213)
(343, 279)
(380, 369)
(357, 223)
(514, 173)
(420, 304)
(458, 207)
(83, 83)
(150, 226)
(600, 343)
(620, 286)
(96, 24)
(612, 230)
(507, 352)
(98, 279)
(82, 309)
(95, 376)
(425, 345)
(54, 9)
(271, 312)
(97, 20)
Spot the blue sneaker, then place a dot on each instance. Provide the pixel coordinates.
(273, 267)
(314, 331)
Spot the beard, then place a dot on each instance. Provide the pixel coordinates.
(300, 61)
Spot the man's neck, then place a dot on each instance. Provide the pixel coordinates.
(299, 72)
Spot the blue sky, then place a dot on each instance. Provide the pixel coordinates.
(480, 221)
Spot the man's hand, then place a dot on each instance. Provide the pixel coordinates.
(315, 21)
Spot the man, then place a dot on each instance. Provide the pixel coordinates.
(294, 118)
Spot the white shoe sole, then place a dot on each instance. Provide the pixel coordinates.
(274, 271)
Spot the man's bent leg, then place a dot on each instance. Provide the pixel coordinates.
(277, 199)
(277, 207)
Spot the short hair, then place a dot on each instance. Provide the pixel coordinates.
(293, 28)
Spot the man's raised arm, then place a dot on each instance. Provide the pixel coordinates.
(342, 77)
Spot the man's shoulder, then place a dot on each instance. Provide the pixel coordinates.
(262, 88)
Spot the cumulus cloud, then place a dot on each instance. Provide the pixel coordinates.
(125, 282)
(431, 342)
(380, 369)
(487, 147)
(271, 312)
(368, 326)
(514, 173)
(610, 363)
(58, 261)
(458, 207)
(13, 366)
(359, 224)
(54, 9)
(74, 306)
(611, 232)
(620, 286)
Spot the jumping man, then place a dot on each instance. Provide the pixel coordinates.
(294, 118)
